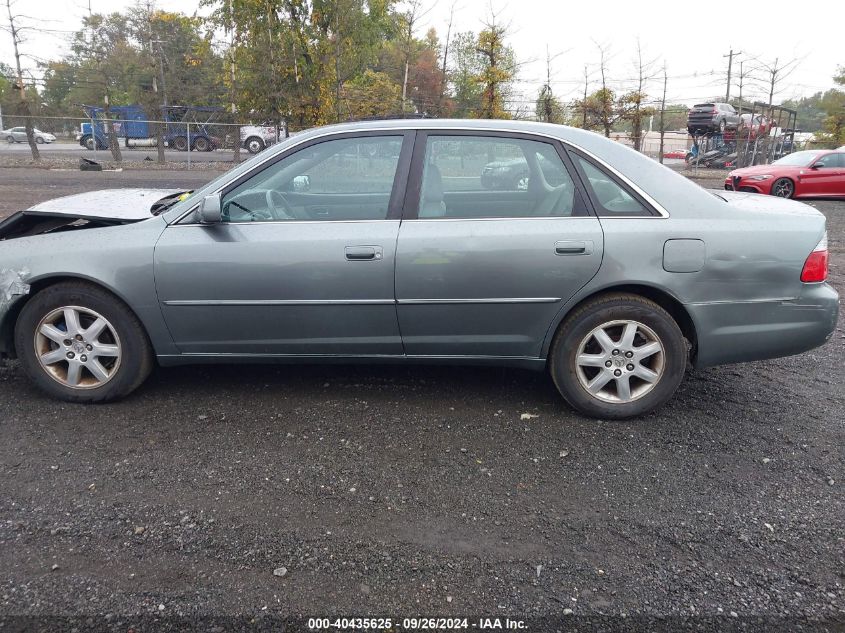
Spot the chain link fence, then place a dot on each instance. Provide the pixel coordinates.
(190, 142)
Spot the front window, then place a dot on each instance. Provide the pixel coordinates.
(798, 159)
(341, 179)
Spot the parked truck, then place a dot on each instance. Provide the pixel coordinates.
(185, 127)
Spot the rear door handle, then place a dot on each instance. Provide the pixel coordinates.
(363, 253)
(574, 247)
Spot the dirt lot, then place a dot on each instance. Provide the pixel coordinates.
(401, 492)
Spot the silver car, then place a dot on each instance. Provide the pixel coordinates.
(378, 242)
(18, 135)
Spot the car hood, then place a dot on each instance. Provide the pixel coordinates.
(94, 209)
(756, 202)
(759, 170)
(111, 204)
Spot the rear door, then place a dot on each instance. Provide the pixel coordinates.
(487, 256)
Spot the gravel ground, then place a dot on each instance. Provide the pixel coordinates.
(406, 491)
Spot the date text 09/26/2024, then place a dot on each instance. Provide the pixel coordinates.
(418, 624)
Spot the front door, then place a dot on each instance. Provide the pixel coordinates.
(826, 176)
(302, 263)
(497, 237)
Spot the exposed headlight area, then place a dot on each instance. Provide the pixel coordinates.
(761, 177)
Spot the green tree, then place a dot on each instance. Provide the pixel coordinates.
(371, 94)
(466, 67)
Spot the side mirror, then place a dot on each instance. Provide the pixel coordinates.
(816, 166)
(211, 210)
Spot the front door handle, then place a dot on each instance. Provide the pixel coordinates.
(574, 247)
(363, 253)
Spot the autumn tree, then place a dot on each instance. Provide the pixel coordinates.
(833, 103)
(498, 70)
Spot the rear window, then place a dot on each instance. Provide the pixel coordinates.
(704, 105)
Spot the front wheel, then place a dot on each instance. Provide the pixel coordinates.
(783, 188)
(202, 144)
(79, 343)
(618, 356)
(180, 143)
(10, 139)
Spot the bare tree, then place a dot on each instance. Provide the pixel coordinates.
(15, 29)
(635, 99)
(605, 104)
(774, 73)
(412, 17)
(443, 68)
(549, 108)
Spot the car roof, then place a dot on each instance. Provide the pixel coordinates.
(563, 132)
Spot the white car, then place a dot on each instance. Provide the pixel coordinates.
(255, 138)
(18, 135)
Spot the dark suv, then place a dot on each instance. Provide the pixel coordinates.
(712, 117)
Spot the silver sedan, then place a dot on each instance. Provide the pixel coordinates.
(378, 242)
(18, 135)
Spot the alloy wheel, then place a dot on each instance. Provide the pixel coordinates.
(783, 188)
(620, 361)
(77, 347)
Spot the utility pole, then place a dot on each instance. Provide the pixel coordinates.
(584, 102)
(662, 111)
(730, 57)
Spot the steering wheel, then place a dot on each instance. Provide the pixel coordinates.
(278, 206)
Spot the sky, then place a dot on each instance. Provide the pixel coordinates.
(692, 45)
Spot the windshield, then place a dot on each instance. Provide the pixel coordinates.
(798, 159)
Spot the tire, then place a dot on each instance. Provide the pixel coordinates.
(254, 144)
(89, 143)
(39, 140)
(613, 314)
(125, 357)
(202, 144)
(783, 188)
(10, 139)
(722, 126)
(180, 143)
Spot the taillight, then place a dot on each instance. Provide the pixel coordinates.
(815, 268)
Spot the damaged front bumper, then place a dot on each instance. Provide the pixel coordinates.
(13, 286)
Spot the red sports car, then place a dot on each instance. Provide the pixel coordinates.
(807, 174)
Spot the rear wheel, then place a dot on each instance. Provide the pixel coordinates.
(89, 143)
(79, 343)
(10, 139)
(254, 144)
(202, 144)
(39, 140)
(618, 356)
(783, 188)
(180, 143)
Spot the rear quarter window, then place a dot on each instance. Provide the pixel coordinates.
(610, 197)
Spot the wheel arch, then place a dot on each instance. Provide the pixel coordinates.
(36, 285)
(660, 296)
